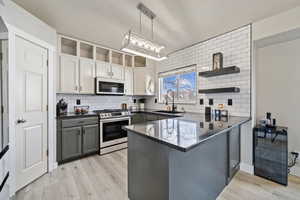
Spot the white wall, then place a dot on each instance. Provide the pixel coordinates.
(277, 80)
(23, 20)
(277, 24)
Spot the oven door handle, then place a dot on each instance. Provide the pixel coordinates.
(115, 120)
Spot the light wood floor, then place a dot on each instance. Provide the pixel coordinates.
(105, 178)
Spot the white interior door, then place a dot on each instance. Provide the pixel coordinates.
(4, 99)
(1, 95)
(87, 76)
(31, 112)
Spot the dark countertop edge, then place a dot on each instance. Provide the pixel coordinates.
(159, 113)
(190, 147)
(73, 115)
(91, 114)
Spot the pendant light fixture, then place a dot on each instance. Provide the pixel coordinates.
(137, 44)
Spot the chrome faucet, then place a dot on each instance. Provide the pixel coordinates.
(174, 107)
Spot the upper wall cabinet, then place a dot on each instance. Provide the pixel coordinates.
(76, 70)
(80, 62)
(117, 58)
(140, 61)
(102, 54)
(68, 46)
(68, 74)
(128, 78)
(86, 50)
(128, 61)
(117, 72)
(144, 80)
(103, 69)
(117, 65)
(86, 76)
(76, 75)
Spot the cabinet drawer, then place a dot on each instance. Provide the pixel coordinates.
(79, 121)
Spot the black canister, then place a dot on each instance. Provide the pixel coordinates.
(207, 110)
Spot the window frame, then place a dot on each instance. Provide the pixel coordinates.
(178, 72)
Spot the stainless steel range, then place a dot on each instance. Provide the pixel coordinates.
(112, 136)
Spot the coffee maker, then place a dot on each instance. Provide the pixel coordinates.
(61, 107)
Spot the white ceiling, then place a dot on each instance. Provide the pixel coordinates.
(179, 23)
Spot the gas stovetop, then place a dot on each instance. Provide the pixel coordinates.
(111, 113)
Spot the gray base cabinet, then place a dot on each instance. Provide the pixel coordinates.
(234, 149)
(158, 172)
(90, 138)
(71, 142)
(77, 138)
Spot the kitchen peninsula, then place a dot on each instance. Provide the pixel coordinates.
(189, 156)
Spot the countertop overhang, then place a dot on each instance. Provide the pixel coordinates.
(185, 131)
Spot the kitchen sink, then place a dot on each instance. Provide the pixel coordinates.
(169, 112)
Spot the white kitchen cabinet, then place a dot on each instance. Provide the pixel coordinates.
(149, 84)
(117, 72)
(76, 75)
(68, 74)
(103, 69)
(128, 77)
(86, 76)
(144, 80)
(109, 71)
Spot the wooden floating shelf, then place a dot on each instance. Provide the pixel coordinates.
(220, 72)
(220, 90)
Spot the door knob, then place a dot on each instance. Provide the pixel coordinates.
(21, 121)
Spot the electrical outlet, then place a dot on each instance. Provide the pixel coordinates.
(201, 101)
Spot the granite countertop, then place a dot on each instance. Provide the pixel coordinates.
(93, 114)
(186, 130)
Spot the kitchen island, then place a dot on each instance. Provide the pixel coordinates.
(189, 156)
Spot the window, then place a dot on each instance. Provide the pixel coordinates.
(180, 84)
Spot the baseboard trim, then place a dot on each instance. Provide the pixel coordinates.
(295, 171)
(54, 166)
(247, 168)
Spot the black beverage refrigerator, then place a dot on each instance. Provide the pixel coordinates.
(270, 153)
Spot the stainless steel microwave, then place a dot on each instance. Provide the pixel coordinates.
(109, 87)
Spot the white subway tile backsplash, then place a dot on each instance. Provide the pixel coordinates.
(236, 50)
(95, 102)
